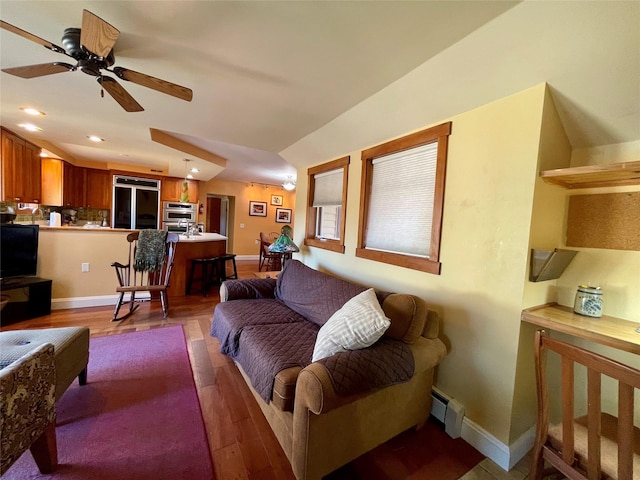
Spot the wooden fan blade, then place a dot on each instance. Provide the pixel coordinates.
(158, 84)
(119, 94)
(96, 35)
(32, 37)
(40, 70)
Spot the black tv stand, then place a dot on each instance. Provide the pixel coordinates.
(36, 304)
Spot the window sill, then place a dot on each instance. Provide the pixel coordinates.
(414, 263)
(332, 245)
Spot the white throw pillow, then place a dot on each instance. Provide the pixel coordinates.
(358, 324)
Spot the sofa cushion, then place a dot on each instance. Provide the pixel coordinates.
(266, 350)
(408, 315)
(314, 295)
(358, 324)
(230, 318)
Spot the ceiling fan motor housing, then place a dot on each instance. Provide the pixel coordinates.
(88, 62)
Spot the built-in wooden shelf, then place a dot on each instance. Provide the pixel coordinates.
(611, 331)
(612, 175)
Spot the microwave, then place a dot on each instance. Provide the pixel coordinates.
(176, 211)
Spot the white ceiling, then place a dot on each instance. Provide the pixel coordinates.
(266, 74)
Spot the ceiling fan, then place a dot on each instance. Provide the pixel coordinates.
(92, 48)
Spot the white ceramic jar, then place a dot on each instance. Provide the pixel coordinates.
(588, 301)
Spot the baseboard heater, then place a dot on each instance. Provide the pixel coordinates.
(448, 411)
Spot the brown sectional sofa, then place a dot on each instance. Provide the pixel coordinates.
(329, 412)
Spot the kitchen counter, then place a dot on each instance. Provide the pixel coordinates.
(203, 237)
(78, 260)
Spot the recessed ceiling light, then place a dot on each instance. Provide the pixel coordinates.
(189, 176)
(30, 126)
(32, 111)
(195, 170)
(95, 138)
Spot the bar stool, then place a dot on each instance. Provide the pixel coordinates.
(207, 277)
(222, 267)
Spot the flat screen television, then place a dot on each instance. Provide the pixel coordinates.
(18, 250)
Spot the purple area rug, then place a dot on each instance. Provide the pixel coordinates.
(138, 417)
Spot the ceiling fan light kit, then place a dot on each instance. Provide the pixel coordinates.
(92, 48)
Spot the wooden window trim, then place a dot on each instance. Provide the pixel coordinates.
(310, 233)
(439, 133)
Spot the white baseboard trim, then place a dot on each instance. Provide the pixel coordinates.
(505, 456)
(522, 446)
(85, 302)
(248, 257)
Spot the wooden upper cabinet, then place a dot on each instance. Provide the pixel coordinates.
(51, 174)
(64, 184)
(171, 190)
(98, 188)
(20, 167)
(73, 193)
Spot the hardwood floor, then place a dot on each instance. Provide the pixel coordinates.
(242, 444)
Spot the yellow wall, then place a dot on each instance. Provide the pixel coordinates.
(496, 210)
(491, 171)
(61, 253)
(242, 240)
(546, 232)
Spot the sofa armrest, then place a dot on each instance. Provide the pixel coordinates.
(315, 391)
(247, 288)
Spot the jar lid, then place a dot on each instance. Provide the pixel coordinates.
(590, 289)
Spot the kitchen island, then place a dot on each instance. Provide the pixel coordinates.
(78, 260)
(205, 245)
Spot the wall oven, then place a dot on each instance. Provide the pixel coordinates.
(173, 212)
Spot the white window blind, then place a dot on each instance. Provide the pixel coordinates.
(328, 188)
(401, 202)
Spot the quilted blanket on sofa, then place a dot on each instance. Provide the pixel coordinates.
(230, 319)
(385, 363)
(268, 349)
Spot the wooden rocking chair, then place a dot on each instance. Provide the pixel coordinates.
(594, 446)
(133, 281)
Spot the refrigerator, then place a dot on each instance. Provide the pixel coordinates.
(136, 203)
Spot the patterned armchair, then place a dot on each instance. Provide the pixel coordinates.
(28, 409)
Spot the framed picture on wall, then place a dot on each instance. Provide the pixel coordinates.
(283, 215)
(258, 209)
(276, 200)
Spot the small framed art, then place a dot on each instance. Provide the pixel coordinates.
(276, 200)
(283, 215)
(258, 209)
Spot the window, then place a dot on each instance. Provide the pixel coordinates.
(326, 205)
(402, 197)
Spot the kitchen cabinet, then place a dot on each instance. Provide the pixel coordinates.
(171, 190)
(99, 184)
(73, 192)
(65, 185)
(20, 166)
(612, 175)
